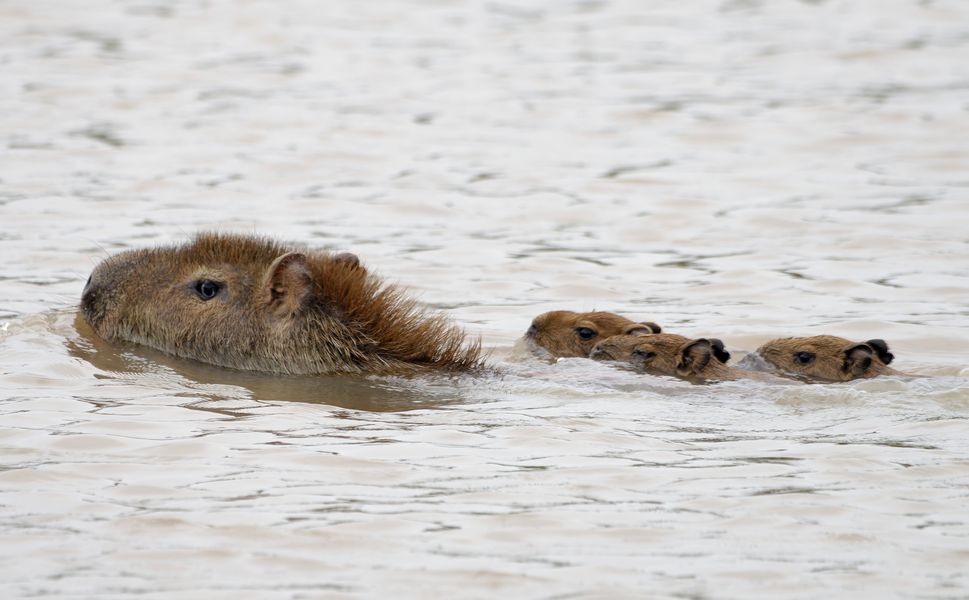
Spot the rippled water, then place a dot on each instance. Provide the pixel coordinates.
(734, 168)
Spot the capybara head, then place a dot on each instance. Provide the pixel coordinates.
(667, 354)
(251, 303)
(828, 357)
(565, 333)
(664, 348)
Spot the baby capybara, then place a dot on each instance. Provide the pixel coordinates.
(563, 333)
(254, 304)
(699, 360)
(829, 358)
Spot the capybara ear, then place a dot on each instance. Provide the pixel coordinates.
(857, 359)
(693, 356)
(348, 258)
(287, 284)
(719, 350)
(641, 329)
(881, 348)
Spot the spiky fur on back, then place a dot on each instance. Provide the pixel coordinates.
(394, 326)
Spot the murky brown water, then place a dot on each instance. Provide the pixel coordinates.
(735, 168)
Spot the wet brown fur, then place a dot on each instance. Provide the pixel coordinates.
(558, 332)
(699, 360)
(834, 358)
(282, 309)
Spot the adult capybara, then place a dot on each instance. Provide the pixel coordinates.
(829, 358)
(254, 304)
(563, 333)
(699, 360)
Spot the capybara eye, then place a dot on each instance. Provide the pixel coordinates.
(585, 333)
(804, 358)
(644, 354)
(207, 289)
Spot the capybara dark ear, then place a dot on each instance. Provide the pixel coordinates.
(348, 258)
(287, 284)
(719, 350)
(653, 327)
(881, 348)
(693, 356)
(857, 359)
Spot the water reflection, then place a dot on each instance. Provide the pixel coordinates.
(373, 394)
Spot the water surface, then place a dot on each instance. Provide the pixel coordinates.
(740, 169)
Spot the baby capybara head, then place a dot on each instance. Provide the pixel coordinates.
(666, 354)
(564, 333)
(828, 357)
(251, 303)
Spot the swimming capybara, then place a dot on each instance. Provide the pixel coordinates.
(699, 360)
(254, 304)
(563, 333)
(829, 358)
